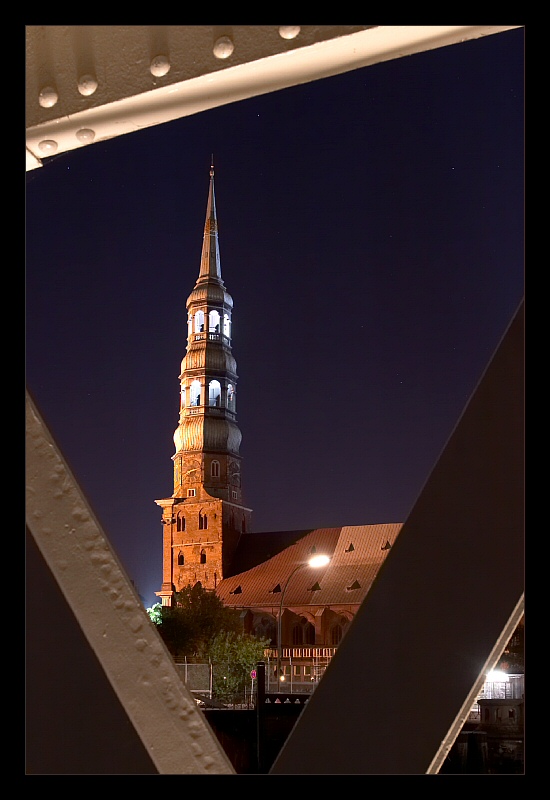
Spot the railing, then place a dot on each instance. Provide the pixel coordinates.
(303, 651)
(213, 337)
(511, 689)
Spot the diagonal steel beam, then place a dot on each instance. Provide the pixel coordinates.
(135, 660)
(442, 608)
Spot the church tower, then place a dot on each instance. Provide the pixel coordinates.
(205, 516)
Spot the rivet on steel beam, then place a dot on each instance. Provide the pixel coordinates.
(160, 66)
(85, 135)
(289, 31)
(48, 146)
(87, 85)
(223, 47)
(48, 97)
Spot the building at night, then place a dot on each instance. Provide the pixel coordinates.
(207, 535)
(207, 531)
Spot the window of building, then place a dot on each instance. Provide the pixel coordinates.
(195, 393)
(297, 635)
(180, 521)
(203, 556)
(214, 393)
(191, 493)
(214, 321)
(199, 321)
(309, 634)
(231, 397)
(215, 469)
(335, 635)
(181, 560)
(203, 521)
(234, 496)
(226, 325)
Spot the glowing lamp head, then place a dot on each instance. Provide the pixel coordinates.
(496, 676)
(318, 561)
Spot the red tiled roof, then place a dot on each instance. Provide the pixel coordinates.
(357, 553)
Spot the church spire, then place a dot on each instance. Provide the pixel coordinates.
(205, 516)
(210, 259)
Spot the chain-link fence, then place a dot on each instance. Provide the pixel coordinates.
(219, 685)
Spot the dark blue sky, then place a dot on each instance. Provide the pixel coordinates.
(371, 231)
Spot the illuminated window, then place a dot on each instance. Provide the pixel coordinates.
(214, 321)
(195, 393)
(199, 322)
(231, 397)
(226, 325)
(215, 469)
(214, 393)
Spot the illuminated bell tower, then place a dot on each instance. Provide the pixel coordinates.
(205, 517)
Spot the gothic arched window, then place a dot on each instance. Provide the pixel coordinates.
(309, 634)
(181, 560)
(336, 635)
(215, 469)
(297, 635)
(203, 522)
(203, 556)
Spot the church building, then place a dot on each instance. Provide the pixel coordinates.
(269, 577)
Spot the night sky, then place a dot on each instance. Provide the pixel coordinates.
(371, 230)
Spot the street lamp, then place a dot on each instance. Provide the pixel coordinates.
(314, 561)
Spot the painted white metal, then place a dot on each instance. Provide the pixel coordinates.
(135, 660)
(129, 98)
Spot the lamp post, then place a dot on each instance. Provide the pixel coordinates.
(314, 561)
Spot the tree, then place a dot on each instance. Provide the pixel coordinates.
(155, 613)
(197, 616)
(234, 655)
